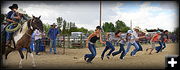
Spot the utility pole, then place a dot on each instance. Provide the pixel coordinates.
(100, 14)
(131, 24)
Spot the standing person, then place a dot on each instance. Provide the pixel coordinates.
(37, 38)
(52, 34)
(108, 46)
(32, 42)
(135, 33)
(122, 40)
(164, 38)
(130, 38)
(153, 41)
(90, 43)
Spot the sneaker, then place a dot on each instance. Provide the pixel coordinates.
(131, 54)
(108, 56)
(55, 53)
(89, 62)
(102, 57)
(85, 58)
(37, 53)
(121, 58)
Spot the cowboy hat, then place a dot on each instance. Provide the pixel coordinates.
(13, 6)
(130, 31)
(21, 11)
(137, 27)
(53, 24)
(145, 31)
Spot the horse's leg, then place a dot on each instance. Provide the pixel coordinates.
(8, 50)
(22, 57)
(4, 61)
(32, 56)
(14, 43)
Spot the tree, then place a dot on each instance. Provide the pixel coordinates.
(82, 29)
(108, 27)
(59, 22)
(120, 25)
(64, 27)
(46, 27)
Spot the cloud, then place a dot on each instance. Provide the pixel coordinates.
(148, 16)
(86, 13)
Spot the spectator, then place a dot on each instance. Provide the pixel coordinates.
(52, 34)
(38, 37)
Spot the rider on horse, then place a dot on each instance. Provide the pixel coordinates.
(14, 16)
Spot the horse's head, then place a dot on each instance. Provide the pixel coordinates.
(36, 23)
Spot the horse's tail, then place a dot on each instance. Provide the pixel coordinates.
(26, 54)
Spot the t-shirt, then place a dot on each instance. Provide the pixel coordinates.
(37, 34)
(123, 36)
(156, 37)
(164, 37)
(131, 38)
(135, 34)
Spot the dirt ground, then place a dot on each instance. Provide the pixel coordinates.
(73, 59)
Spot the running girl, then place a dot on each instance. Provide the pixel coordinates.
(108, 46)
(153, 41)
(90, 43)
(130, 38)
(122, 40)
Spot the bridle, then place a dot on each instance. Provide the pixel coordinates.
(31, 21)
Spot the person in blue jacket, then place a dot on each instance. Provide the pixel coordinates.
(11, 17)
(52, 34)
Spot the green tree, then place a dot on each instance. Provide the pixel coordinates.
(82, 29)
(59, 22)
(64, 27)
(108, 27)
(46, 27)
(120, 25)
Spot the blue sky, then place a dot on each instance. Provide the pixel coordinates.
(145, 14)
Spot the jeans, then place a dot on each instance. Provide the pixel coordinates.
(121, 49)
(32, 46)
(53, 45)
(37, 45)
(158, 48)
(140, 47)
(108, 46)
(134, 51)
(92, 49)
(164, 45)
(9, 34)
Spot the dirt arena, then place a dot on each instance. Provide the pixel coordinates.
(73, 59)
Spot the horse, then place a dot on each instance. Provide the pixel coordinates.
(22, 39)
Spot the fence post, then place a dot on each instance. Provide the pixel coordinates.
(63, 44)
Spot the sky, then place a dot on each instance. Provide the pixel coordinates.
(145, 14)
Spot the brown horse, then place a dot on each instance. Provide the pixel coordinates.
(22, 39)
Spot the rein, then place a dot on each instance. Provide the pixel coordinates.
(28, 34)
